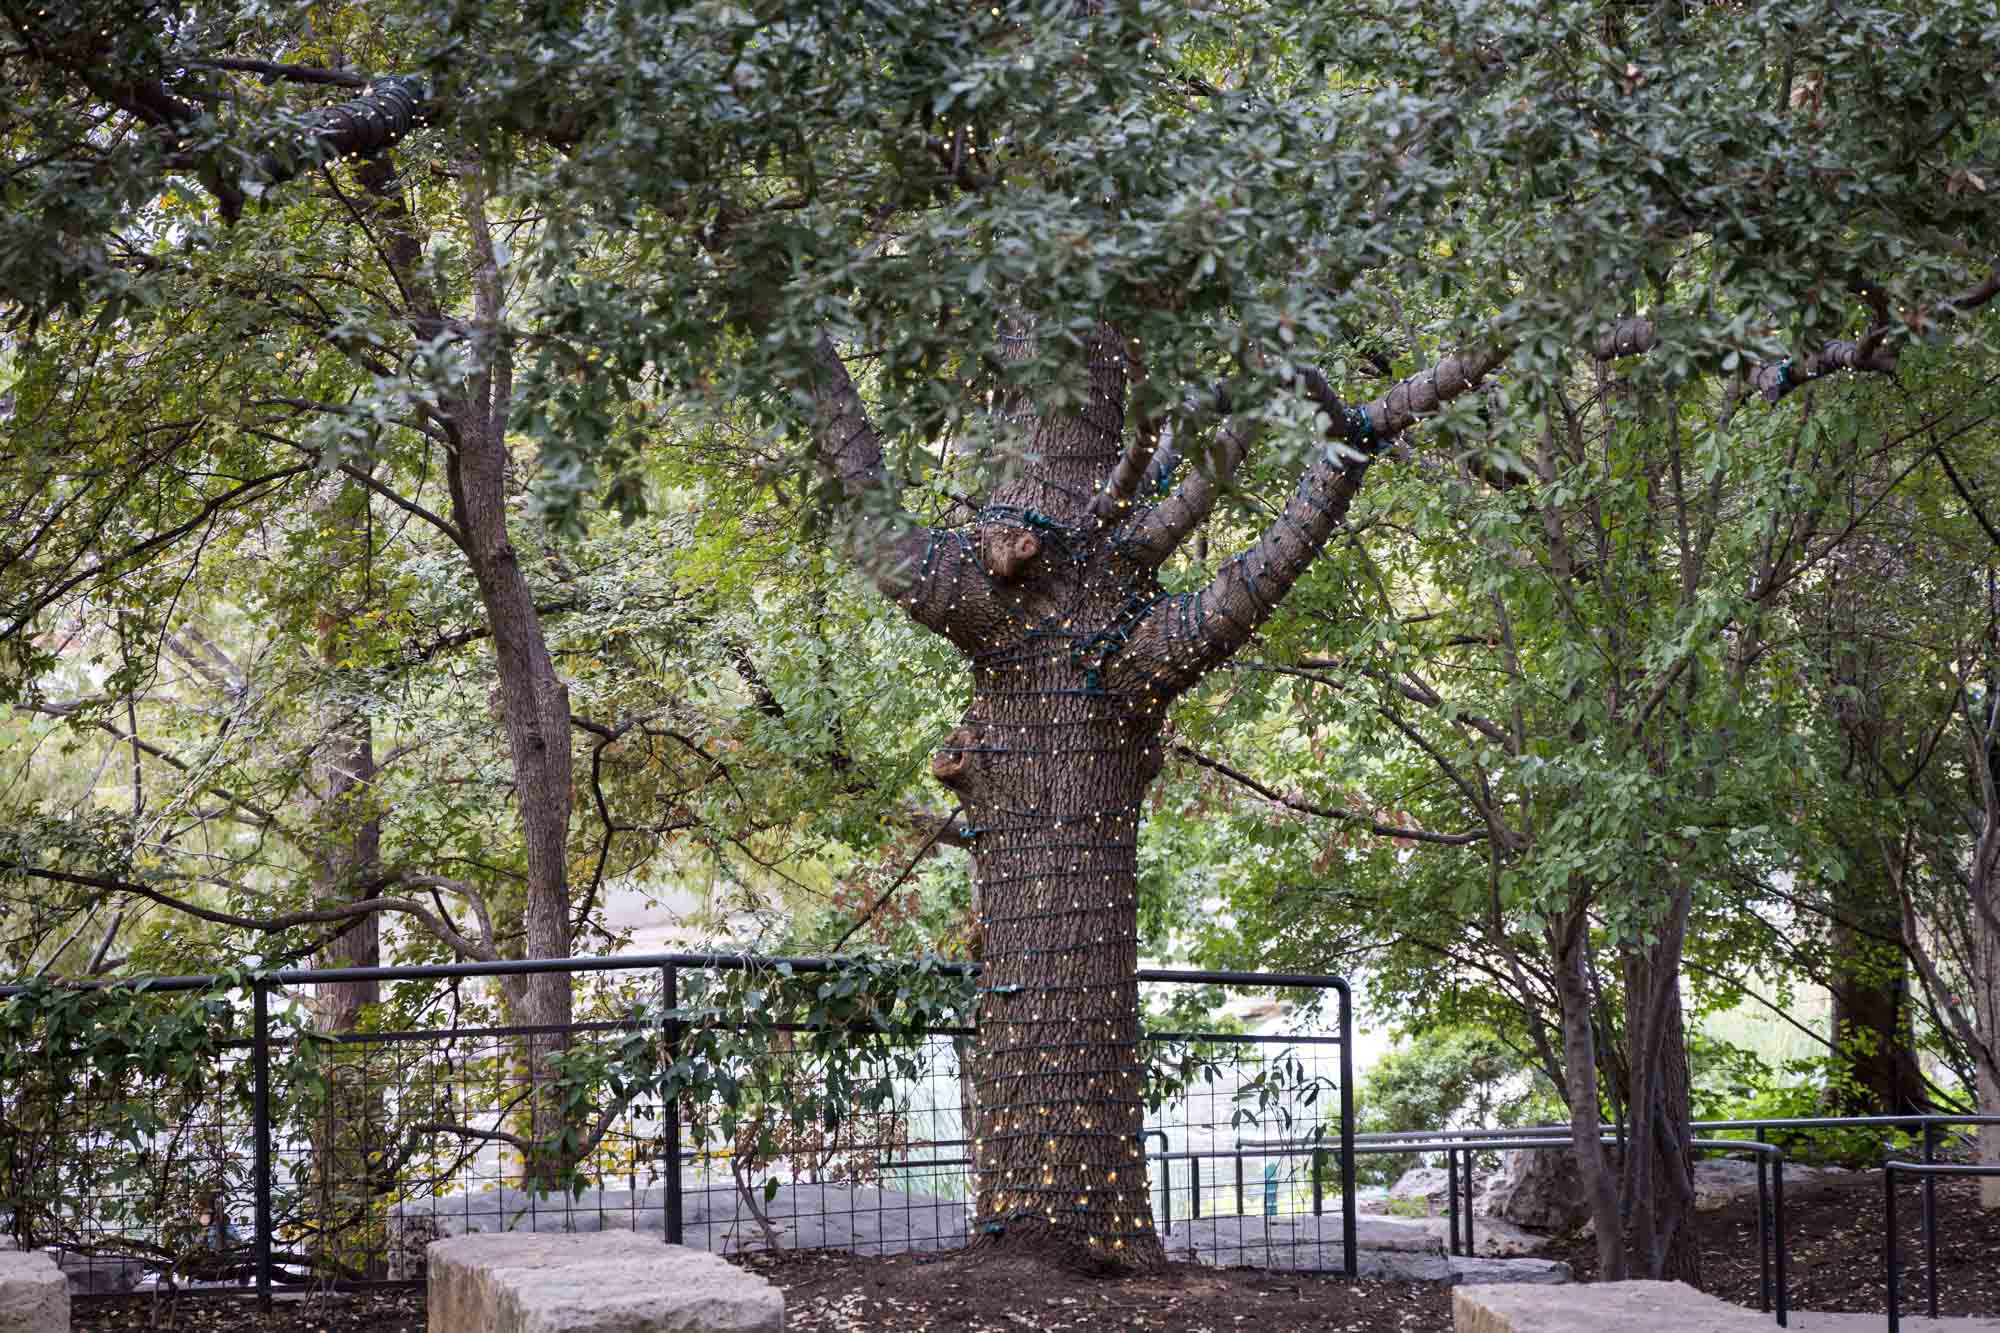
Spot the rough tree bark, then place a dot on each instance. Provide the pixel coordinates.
(1657, 1169)
(1568, 946)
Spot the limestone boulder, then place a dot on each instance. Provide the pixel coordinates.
(1539, 1189)
(1593, 1307)
(607, 1282)
(1466, 1271)
(1428, 1183)
(34, 1295)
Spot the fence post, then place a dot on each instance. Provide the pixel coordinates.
(1763, 1231)
(1778, 1230)
(1348, 1239)
(670, 1000)
(260, 1129)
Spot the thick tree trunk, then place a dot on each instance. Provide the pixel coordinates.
(1060, 1105)
(1985, 987)
(1869, 981)
(1870, 1023)
(1075, 651)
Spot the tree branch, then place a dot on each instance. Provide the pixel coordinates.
(933, 574)
(1334, 812)
(467, 948)
(1156, 533)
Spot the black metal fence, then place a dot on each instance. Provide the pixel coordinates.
(196, 1130)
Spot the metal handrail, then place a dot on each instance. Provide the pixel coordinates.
(1771, 1251)
(1927, 1171)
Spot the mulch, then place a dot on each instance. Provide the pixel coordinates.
(1834, 1230)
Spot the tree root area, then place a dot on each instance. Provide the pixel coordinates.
(1008, 1293)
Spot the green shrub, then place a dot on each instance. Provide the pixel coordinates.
(1443, 1078)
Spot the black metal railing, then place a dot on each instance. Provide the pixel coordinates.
(1928, 1172)
(1460, 1145)
(412, 1130)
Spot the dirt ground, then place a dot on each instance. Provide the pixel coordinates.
(1834, 1238)
(1835, 1251)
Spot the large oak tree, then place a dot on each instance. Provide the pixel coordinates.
(1052, 294)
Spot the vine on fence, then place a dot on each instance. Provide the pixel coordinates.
(139, 1101)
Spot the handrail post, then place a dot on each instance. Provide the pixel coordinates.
(670, 1197)
(1889, 1242)
(1763, 1233)
(1471, 1245)
(1349, 1241)
(1778, 1228)
(1451, 1195)
(1930, 1219)
(260, 1123)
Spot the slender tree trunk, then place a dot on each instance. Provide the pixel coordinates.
(535, 706)
(1581, 1091)
(349, 1126)
(1658, 1168)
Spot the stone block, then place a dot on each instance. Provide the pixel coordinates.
(606, 1282)
(1658, 1307)
(1469, 1271)
(34, 1295)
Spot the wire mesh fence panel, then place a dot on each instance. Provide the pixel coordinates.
(727, 1104)
(127, 1119)
(1247, 1149)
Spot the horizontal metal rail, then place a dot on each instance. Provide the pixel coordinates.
(1927, 1172)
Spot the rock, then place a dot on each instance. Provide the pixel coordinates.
(1542, 1272)
(1493, 1238)
(607, 1282)
(1389, 1266)
(97, 1275)
(1593, 1307)
(1422, 1182)
(1387, 1249)
(806, 1216)
(34, 1295)
(1540, 1189)
(1721, 1181)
